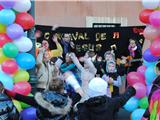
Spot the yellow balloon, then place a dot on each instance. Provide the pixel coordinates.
(2, 56)
(2, 28)
(17, 105)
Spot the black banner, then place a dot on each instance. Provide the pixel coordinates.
(99, 39)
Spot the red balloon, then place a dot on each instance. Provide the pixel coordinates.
(1, 7)
(4, 39)
(23, 88)
(25, 20)
(155, 48)
(9, 66)
(144, 15)
(135, 77)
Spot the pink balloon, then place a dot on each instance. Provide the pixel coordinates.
(154, 18)
(9, 66)
(150, 32)
(155, 48)
(1, 7)
(135, 77)
(23, 88)
(140, 90)
(142, 69)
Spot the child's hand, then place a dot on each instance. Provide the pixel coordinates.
(110, 81)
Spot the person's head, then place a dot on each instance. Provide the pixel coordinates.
(66, 37)
(97, 87)
(158, 68)
(91, 53)
(111, 66)
(45, 44)
(68, 58)
(57, 85)
(46, 56)
(132, 43)
(109, 56)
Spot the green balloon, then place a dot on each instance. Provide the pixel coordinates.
(24, 105)
(21, 76)
(10, 50)
(143, 103)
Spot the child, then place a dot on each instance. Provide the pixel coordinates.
(112, 77)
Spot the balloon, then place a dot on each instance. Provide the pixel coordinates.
(132, 104)
(24, 105)
(29, 114)
(150, 4)
(144, 15)
(25, 20)
(150, 32)
(15, 31)
(21, 76)
(140, 90)
(10, 50)
(154, 18)
(7, 16)
(6, 80)
(22, 6)
(150, 75)
(2, 28)
(141, 69)
(143, 103)
(7, 3)
(1, 7)
(23, 88)
(148, 89)
(4, 39)
(135, 77)
(17, 105)
(2, 57)
(155, 48)
(9, 66)
(137, 114)
(148, 64)
(147, 55)
(24, 44)
(25, 60)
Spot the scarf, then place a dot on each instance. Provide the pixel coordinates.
(132, 50)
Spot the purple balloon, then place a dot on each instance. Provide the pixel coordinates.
(29, 114)
(15, 31)
(148, 89)
(149, 57)
(142, 69)
(7, 3)
(154, 18)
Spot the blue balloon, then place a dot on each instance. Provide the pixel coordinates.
(148, 64)
(149, 57)
(6, 80)
(150, 75)
(7, 16)
(25, 61)
(29, 114)
(137, 114)
(132, 104)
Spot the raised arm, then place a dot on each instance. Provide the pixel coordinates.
(76, 62)
(56, 52)
(40, 56)
(92, 68)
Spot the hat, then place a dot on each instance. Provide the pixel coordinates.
(97, 87)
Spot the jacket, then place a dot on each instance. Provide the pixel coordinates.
(44, 71)
(7, 109)
(103, 107)
(50, 105)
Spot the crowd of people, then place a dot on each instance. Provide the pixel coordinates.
(77, 88)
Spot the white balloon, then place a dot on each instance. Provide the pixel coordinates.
(22, 5)
(24, 44)
(150, 4)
